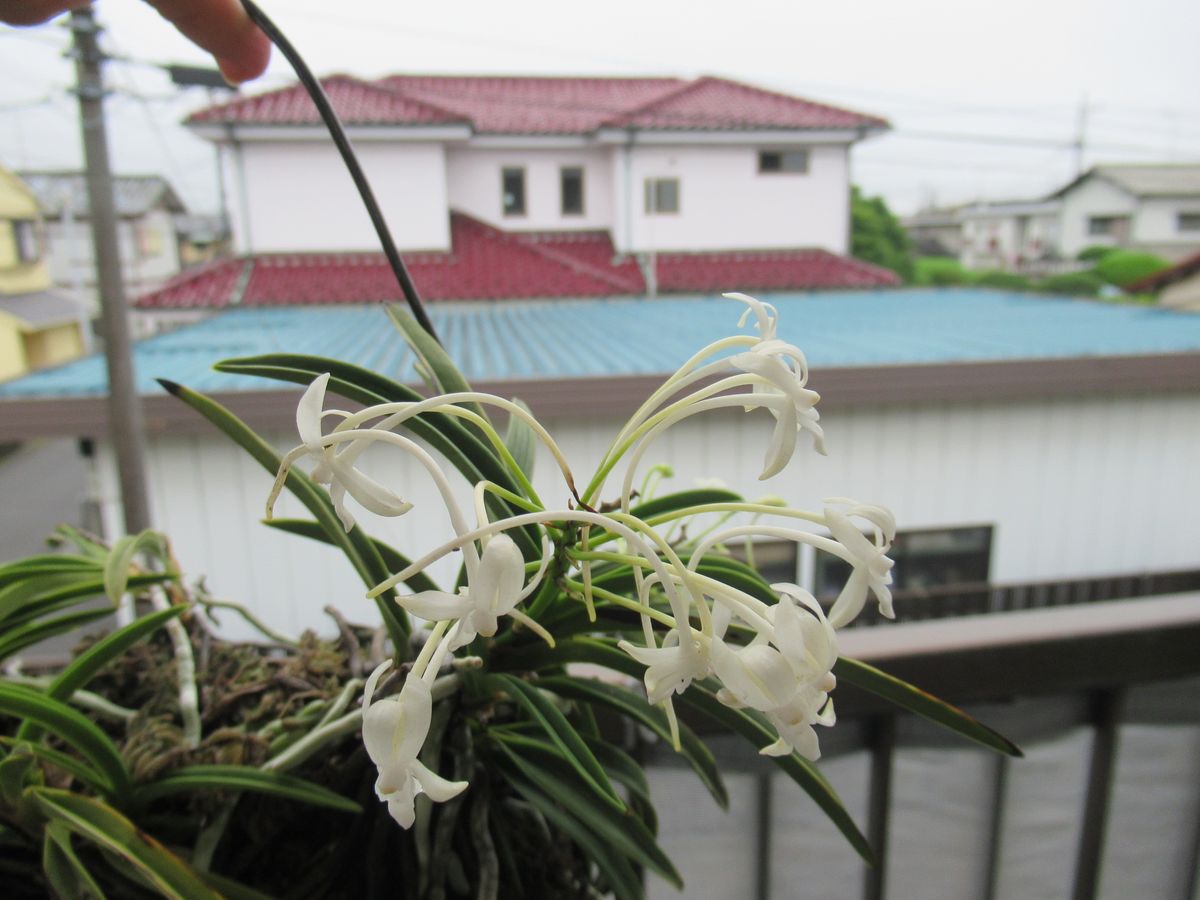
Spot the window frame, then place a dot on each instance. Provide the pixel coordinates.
(25, 241)
(651, 188)
(783, 153)
(1191, 216)
(563, 172)
(518, 210)
(1112, 225)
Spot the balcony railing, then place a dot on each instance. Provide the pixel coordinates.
(1103, 698)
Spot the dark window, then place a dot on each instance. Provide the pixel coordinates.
(1188, 221)
(924, 560)
(1111, 226)
(513, 191)
(571, 180)
(775, 561)
(782, 161)
(662, 196)
(25, 237)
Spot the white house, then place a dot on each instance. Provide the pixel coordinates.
(1155, 208)
(1014, 236)
(656, 165)
(146, 207)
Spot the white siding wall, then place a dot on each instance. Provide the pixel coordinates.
(725, 204)
(1156, 227)
(1074, 488)
(298, 196)
(1092, 197)
(473, 175)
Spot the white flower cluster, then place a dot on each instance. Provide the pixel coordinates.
(776, 658)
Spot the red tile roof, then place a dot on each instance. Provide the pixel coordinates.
(486, 263)
(520, 105)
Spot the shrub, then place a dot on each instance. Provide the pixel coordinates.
(938, 271)
(1008, 281)
(1071, 284)
(1094, 253)
(1122, 267)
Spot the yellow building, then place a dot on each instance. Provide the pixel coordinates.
(38, 326)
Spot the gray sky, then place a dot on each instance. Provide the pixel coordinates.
(1016, 74)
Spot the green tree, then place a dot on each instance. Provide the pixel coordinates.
(876, 236)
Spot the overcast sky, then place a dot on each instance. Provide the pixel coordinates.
(985, 99)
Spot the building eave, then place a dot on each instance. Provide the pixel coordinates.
(1009, 380)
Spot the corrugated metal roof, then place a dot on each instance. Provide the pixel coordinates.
(597, 338)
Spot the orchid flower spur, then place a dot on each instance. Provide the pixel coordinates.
(394, 730)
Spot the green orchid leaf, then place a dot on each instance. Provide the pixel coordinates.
(45, 565)
(16, 609)
(14, 770)
(116, 571)
(57, 758)
(447, 378)
(670, 503)
(243, 778)
(635, 707)
(564, 736)
(462, 448)
(357, 547)
(540, 765)
(752, 726)
(22, 636)
(73, 728)
(626, 771)
(521, 441)
(109, 830)
(915, 700)
(67, 875)
(393, 559)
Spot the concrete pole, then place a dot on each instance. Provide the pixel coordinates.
(126, 428)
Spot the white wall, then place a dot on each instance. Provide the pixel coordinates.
(726, 204)
(1070, 495)
(473, 175)
(298, 196)
(1156, 227)
(1092, 197)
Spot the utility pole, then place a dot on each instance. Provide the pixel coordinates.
(126, 428)
(1080, 142)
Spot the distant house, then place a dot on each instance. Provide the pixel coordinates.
(602, 187)
(1015, 236)
(38, 326)
(935, 231)
(1155, 208)
(146, 206)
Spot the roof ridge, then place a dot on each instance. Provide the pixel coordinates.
(791, 98)
(579, 265)
(397, 93)
(684, 88)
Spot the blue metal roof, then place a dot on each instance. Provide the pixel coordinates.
(597, 338)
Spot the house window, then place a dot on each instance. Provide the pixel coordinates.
(775, 162)
(25, 237)
(924, 559)
(1107, 226)
(149, 241)
(571, 183)
(1188, 221)
(512, 191)
(662, 196)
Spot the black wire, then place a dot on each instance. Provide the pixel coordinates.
(329, 117)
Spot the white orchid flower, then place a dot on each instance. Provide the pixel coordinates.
(394, 729)
(872, 568)
(495, 589)
(794, 722)
(765, 314)
(336, 468)
(808, 642)
(783, 371)
(671, 667)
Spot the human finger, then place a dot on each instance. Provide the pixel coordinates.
(223, 29)
(34, 12)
